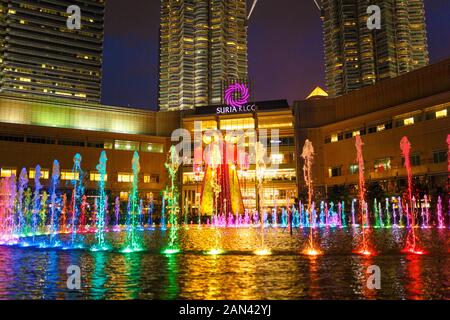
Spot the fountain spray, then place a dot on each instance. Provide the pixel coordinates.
(215, 160)
(53, 200)
(101, 244)
(133, 240)
(36, 200)
(78, 191)
(116, 214)
(23, 182)
(388, 216)
(171, 193)
(362, 191)
(43, 212)
(411, 239)
(260, 161)
(308, 156)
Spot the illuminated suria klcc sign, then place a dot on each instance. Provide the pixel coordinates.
(237, 97)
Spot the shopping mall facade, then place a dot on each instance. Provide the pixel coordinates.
(38, 130)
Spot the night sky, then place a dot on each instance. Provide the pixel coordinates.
(285, 49)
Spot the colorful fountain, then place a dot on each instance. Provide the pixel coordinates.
(411, 239)
(48, 217)
(260, 162)
(365, 249)
(171, 193)
(308, 156)
(133, 241)
(101, 244)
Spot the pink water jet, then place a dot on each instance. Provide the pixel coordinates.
(411, 239)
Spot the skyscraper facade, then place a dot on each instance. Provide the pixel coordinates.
(356, 56)
(203, 44)
(40, 55)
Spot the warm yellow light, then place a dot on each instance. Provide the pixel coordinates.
(441, 113)
(69, 175)
(44, 173)
(408, 121)
(312, 252)
(263, 252)
(95, 176)
(207, 139)
(334, 138)
(277, 158)
(6, 173)
(125, 177)
(214, 251)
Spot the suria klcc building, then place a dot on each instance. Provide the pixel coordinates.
(39, 130)
(414, 105)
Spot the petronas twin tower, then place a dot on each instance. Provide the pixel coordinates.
(356, 56)
(203, 44)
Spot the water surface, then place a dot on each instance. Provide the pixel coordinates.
(32, 273)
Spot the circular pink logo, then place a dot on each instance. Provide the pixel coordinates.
(237, 95)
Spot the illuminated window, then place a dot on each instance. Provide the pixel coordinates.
(126, 145)
(356, 133)
(95, 176)
(441, 113)
(7, 172)
(69, 175)
(277, 158)
(353, 169)
(125, 177)
(408, 121)
(334, 172)
(275, 122)
(381, 127)
(334, 138)
(44, 173)
(123, 195)
(151, 178)
(237, 124)
(152, 147)
(381, 165)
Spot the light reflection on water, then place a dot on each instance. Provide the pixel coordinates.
(30, 273)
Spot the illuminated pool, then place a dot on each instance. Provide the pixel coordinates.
(235, 272)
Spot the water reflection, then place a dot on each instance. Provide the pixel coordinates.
(99, 276)
(237, 273)
(172, 289)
